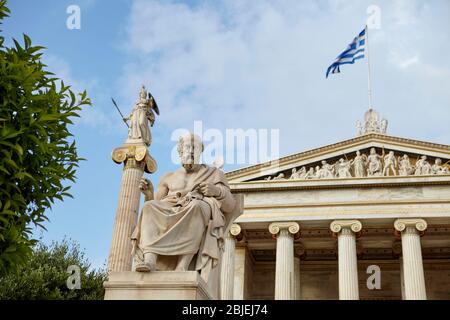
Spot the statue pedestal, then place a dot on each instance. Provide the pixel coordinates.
(157, 285)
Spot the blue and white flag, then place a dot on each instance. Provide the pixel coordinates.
(354, 51)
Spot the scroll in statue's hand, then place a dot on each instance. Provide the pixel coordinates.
(209, 189)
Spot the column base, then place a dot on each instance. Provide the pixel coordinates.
(157, 285)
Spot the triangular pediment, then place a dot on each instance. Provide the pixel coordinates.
(282, 169)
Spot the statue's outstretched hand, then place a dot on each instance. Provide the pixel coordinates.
(209, 189)
(146, 188)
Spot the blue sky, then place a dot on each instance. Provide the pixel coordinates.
(232, 64)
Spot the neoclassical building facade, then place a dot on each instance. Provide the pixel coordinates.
(365, 218)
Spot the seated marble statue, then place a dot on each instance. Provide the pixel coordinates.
(181, 226)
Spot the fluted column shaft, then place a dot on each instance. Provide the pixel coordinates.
(413, 273)
(347, 257)
(284, 266)
(126, 217)
(227, 265)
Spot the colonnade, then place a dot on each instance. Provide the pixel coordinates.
(287, 266)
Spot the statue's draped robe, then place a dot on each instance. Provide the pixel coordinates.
(359, 166)
(186, 222)
(374, 164)
(139, 128)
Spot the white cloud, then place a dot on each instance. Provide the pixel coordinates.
(261, 65)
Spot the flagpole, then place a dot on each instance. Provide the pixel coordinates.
(369, 84)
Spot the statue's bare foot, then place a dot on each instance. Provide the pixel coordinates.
(149, 263)
(184, 262)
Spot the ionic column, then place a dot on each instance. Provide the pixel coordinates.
(284, 267)
(414, 278)
(135, 159)
(227, 265)
(348, 265)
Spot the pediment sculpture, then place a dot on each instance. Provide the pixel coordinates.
(372, 164)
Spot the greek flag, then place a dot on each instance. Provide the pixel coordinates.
(354, 51)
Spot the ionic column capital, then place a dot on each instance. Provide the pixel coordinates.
(420, 225)
(338, 225)
(134, 156)
(292, 227)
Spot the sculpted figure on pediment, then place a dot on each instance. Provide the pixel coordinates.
(327, 171)
(359, 164)
(423, 167)
(343, 168)
(390, 164)
(303, 173)
(317, 172)
(310, 174)
(374, 168)
(294, 174)
(298, 174)
(404, 166)
(280, 176)
(438, 168)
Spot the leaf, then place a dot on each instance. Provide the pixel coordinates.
(27, 41)
(49, 117)
(8, 212)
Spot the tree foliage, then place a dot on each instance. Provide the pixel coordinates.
(44, 275)
(37, 152)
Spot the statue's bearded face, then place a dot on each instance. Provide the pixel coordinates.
(190, 154)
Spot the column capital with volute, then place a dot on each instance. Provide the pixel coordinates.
(292, 227)
(338, 225)
(420, 225)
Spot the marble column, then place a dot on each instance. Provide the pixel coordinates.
(284, 266)
(135, 159)
(413, 274)
(227, 264)
(347, 257)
